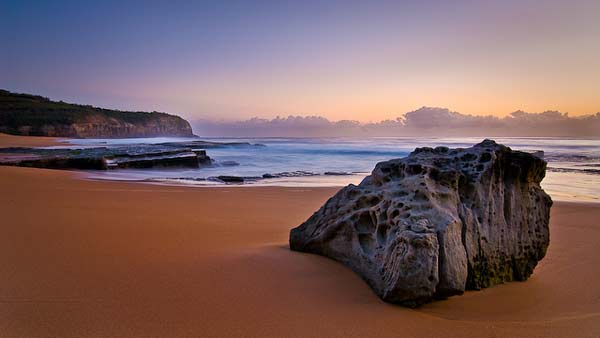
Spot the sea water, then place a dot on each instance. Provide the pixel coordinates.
(573, 164)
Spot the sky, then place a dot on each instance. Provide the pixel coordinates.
(342, 60)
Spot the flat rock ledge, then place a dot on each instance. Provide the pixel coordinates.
(437, 223)
(104, 158)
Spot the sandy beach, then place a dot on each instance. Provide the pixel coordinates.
(7, 140)
(81, 258)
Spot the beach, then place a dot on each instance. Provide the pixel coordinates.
(84, 258)
(7, 140)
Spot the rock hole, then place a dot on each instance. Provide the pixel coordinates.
(364, 223)
(366, 243)
(485, 157)
(382, 234)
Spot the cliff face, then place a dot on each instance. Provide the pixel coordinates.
(155, 124)
(437, 223)
(23, 114)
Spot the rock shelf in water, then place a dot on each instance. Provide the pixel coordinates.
(103, 158)
(187, 154)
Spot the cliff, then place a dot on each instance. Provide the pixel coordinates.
(30, 115)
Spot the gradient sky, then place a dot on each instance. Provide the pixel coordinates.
(339, 59)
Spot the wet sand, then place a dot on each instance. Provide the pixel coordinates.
(82, 258)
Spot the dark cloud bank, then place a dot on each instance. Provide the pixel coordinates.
(425, 121)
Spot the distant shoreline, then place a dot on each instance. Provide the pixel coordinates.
(34, 115)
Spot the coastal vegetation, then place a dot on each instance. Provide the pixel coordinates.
(32, 115)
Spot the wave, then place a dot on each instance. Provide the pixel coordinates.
(576, 158)
(573, 170)
(231, 179)
(347, 152)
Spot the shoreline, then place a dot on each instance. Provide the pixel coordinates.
(113, 259)
(275, 184)
(561, 186)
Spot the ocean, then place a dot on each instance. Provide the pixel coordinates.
(573, 164)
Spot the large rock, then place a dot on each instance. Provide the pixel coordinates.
(437, 222)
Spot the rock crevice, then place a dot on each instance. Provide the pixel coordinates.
(437, 222)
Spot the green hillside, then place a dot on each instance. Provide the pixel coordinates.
(25, 114)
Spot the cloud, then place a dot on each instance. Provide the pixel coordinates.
(426, 121)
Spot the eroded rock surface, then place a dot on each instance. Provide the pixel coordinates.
(437, 222)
